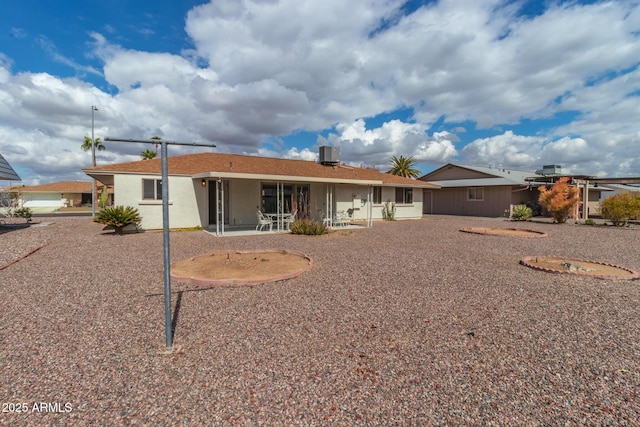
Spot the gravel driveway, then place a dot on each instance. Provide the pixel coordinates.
(405, 323)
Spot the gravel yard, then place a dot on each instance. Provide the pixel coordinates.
(405, 323)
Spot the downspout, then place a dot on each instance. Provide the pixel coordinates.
(370, 206)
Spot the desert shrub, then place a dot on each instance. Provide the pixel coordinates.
(589, 221)
(621, 208)
(23, 213)
(104, 197)
(521, 213)
(118, 217)
(389, 211)
(308, 227)
(559, 200)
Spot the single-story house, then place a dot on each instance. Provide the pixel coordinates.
(55, 195)
(491, 191)
(218, 191)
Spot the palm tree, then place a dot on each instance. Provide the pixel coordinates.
(86, 146)
(148, 154)
(403, 166)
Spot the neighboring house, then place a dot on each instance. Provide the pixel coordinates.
(490, 191)
(221, 190)
(53, 196)
(6, 171)
(621, 189)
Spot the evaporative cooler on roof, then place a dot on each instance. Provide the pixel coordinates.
(329, 155)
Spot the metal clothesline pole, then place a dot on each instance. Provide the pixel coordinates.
(165, 223)
(93, 158)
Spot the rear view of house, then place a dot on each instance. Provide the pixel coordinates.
(216, 191)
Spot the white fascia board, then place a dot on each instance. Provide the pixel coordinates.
(427, 187)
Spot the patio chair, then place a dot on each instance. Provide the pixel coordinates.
(263, 222)
(288, 219)
(342, 219)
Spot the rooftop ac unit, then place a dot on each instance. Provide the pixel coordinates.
(329, 155)
(551, 169)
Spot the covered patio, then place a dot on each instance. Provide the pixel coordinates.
(282, 201)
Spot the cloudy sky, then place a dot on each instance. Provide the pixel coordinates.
(511, 83)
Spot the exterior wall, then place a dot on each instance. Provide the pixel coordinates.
(453, 201)
(593, 204)
(317, 200)
(244, 197)
(183, 200)
(410, 211)
(48, 202)
(350, 198)
(354, 198)
(41, 200)
(189, 201)
(74, 199)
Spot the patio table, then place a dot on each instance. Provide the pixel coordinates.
(280, 218)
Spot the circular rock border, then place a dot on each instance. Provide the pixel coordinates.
(530, 261)
(200, 281)
(488, 231)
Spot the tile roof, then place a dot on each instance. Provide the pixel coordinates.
(59, 187)
(211, 164)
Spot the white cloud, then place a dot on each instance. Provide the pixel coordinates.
(265, 69)
(507, 150)
(376, 146)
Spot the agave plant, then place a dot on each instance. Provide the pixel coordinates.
(521, 213)
(118, 217)
(389, 211)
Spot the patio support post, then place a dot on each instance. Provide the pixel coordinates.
(370, 207)
(278, 205)
(329, 203)
(218, 207)
(585, 200)
(221, 206)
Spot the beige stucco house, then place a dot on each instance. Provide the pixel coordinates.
(221, 191)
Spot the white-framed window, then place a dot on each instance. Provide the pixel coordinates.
(377, 195)
(475, 194)
(404, 195)
(151, 189)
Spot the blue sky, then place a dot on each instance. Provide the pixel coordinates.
(512, 83)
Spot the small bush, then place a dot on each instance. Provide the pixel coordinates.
(621, 208)
(521, 213)
(118, 217)
(23, 213)
(389, 211)
(589, 221)
(559, 200)
(308, 227)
